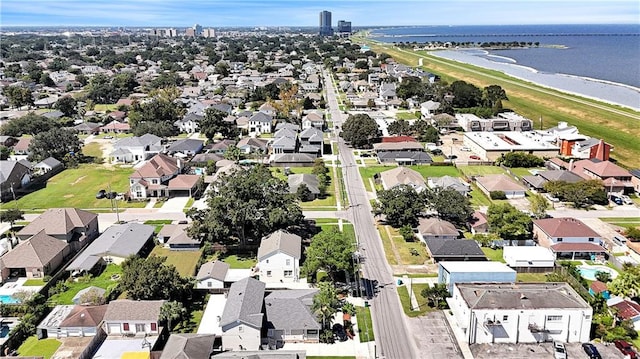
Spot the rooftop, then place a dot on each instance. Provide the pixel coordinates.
(473, 266)
(565, 227)
(509, 141)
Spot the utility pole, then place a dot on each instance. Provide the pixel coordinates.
(113, 199)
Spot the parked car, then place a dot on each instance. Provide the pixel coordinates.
(626, 199)
(559, 350)
(615, 199)
(436, 151)
(101, 194)
(474, 157)
(110, 195)
(108, 137)
(339, 332)
(465, 149)
(591, 351)
(626, 348)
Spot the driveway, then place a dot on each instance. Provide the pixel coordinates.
(434, 337)
(174, 204)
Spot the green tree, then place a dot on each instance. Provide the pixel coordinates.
(233, 153)
(360, 130)
(5, 152)
(325, 303)
(304, 193)
(407, 234)
(247, 204)
(424, 132)
(485, 239)
(151, 279)
(45, 80)
(465, 94)
(56, 143)
(401, 205)
(213, 123)
(18, 96)
(66, 105)
(171, 312)
(399, 127)
(538, 205)
(330, 251)
(508, 222)
(603, 276)
(520, 159)
(581, 194)
(436, 295)
(156, 117)
(11, 215)
(627, 283)
(449, 204)
(492, 95)
(222, 68)
(58, 64)
(411, 86)
(319, 167)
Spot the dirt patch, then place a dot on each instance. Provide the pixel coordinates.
(69, 195)
(78, 180)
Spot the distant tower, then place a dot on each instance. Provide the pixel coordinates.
(197, 29)
(325, 23)
(344, 28)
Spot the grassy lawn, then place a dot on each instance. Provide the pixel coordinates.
(105, 107)
(386, 244)
(521, 171)
(478, 198)
(92, 150)
(77, 187)
(493, 254)
(365, 325)
(367, 174)
(184, 261)
(236, 262)
(593, 118)
(158, 224)
(480, 170)
(625, 222)
(103, 281)
(436, 171)
(531, 277)
(34, 283)
(405, 300)
(407, 115)
(407, 250)
(189, 203)
(422, 301)
(32, 347)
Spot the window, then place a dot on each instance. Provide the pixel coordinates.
(138, 193)
(559, 240)
(505, 318)
(209, 284)
(240, 329)
(554, 318)
(125, 327)
(154, 181)
(288, 262)
(288, 273)
(590, 239)
(140, 328)
(268, 273)
(267, 261)
(154, 327)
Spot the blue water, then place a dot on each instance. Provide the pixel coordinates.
(590, 273)
(7, 299)
(605, 52)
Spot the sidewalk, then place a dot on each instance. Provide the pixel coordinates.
(460, 336)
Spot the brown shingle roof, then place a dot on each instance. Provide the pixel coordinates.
(183, 182)
(565, 227)
(37, 251)
(216, 270)
(577, 247)
(282, 241)
(499, 182)
(59, 221)
(158, 166)
(82, 316)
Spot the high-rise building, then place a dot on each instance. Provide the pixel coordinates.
(325, 23)
(209, 33)
(197, 30)
(344, 28)
(189, 32)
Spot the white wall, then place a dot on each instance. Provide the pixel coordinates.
(240, 337)
(117, 327)
(210, 283)
(276, 263)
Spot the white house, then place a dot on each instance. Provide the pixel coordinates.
(260, 123)
(529, 258)
(133, 149)
(242, 317)
(279, 257)
(500, 183)
(132, 317)
(452, 272)
(212, 275)
(520, 312)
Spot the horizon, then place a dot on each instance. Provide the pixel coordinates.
(301, 13)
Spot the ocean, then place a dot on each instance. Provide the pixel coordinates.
(610, 53)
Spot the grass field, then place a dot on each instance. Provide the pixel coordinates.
(32, 347)
(77, 187)
(236, 262)
(365, 325)
(478, 198)
(105, 107)
(103, 281)
(436, 171)
(480, 170)
(493, 254)
(92, 150)
(625, 222)
(34, 283)
(387, 246)
(184, 261)
(531, 277)
(616, 125)
(405, 300)
(408, 250)
(407, 115)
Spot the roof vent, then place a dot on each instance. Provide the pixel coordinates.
(523, 296)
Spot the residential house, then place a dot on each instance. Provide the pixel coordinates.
(567, 237)
(87, 128)
(598, 287)
(134, 149)
(242, 317)
(478, 223)
(402, 176)
(455, 250)
(48, 166)
(114, 245)
(186, 147)
(71, 225)
(185, 185)
(635, 180)
(284, 141)
(116, 126)
(402, 153)
(312, 141)
(449, 182)
(13, 176)
(289, 317)
(529, 258)
(189, 123)
(221, 147)
(279, 257)
(436, 228)
(175, 237)
(295, 181)
(260, 123)
(71, 321)
(152, 178)
(252, 145)
(314, 120)
(520, 313)
(500, 183)
(626, 309)
(268, 109)
(21, 148)
(211, 275)
(387, 91)
(450, 273)
(614, 178)
(188, 346)
(538, 180)
(36, 257)
(428, 109)
(289, 126)
(292, 160)
(133, 317)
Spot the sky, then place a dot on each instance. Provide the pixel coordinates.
(224, 13)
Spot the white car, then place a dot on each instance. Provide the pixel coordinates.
(465, 149)
(559, 350)
(626, 199)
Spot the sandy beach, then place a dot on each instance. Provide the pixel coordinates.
(613, 93)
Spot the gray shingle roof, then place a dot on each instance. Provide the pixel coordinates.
(188, 346)
(37, 251)
(186, 144)
(216, 270)
(125, 309)
(454, 247)
(310, 180)
(281, 241)
(290, 309)
(244, 303)
(120, 240)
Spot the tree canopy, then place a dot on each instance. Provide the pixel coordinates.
(247, 205)
(520, 159)
(450, 204)
(56, 143)
(508, 222)
(67, 105)
(401, 205)
(360, 130)
(213, 123)
(330, 251)
(581, 194)
(151, 279)
(156, 117)
(465, 94)
(29, 124)
(325, 303)
(18, 96)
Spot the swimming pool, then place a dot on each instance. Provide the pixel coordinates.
(7, 299)
(588, 272)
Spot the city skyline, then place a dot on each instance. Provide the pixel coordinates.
(172, 13)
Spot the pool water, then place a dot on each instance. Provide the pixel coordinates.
(4, 331)
(589, 272)
(7, 299)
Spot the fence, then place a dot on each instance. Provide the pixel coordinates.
(94, 344)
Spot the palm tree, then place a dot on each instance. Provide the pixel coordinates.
(171, 311)
(325, 303)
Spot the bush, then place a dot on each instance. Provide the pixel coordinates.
(407, 233)
(497, 195)
(520, 159)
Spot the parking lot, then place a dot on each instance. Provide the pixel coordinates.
(542, 350)
(433, 336)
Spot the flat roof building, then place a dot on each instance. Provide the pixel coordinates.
(491, 145)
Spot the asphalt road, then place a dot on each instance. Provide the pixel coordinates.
(393, 339)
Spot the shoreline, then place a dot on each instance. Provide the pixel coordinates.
(605, 91)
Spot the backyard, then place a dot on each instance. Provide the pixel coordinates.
(328, 203)
(400, 252)
(108, 278)
(32, 347)
(184, 261)
(77, 187)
